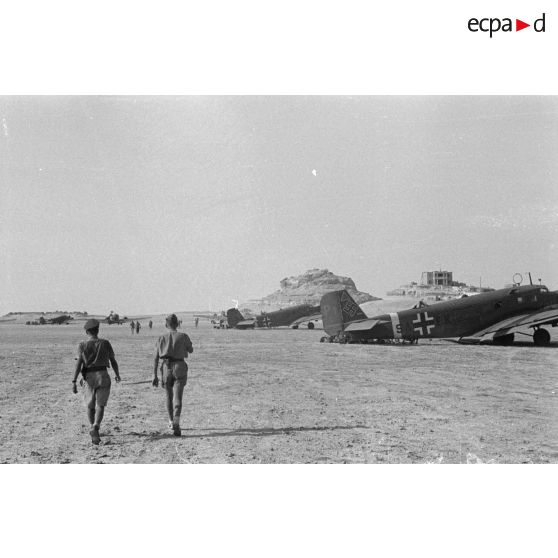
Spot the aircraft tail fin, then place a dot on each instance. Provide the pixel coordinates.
(234, 316)
(338, 309)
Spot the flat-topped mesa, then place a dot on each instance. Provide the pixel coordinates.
(309, 288)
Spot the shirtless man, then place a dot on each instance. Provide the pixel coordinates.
(94, 357)
(173, 348)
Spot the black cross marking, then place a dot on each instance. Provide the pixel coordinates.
(424, 323)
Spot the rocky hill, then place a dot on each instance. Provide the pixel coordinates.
(309, 288)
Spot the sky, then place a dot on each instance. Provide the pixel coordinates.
(143, 204)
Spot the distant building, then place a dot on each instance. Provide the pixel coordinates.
(437, 285)
(438, 278)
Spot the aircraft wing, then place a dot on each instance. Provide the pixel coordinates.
(510, 325)
(306, 319)
(126, 319)
(363, 325)
(103, 319)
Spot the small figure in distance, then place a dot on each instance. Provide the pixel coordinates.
(150, 324)
(132, 326)
(172, 348)
(94, 357)
(138, 327)
(196, 321)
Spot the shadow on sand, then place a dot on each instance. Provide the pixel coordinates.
(520, 343)
(222, 432)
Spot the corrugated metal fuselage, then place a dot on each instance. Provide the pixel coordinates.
(458, 317)
(286, 316)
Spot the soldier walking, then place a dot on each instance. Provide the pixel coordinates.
(173, 348)
(94, 357)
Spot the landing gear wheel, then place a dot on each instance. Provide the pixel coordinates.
(310, 325)
(541, 338)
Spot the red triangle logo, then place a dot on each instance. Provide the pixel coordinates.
(519, 25)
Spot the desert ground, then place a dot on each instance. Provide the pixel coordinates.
(281, 396)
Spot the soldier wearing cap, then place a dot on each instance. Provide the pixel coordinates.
(173, 348)
(94, 357)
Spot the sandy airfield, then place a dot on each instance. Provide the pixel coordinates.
(280, 396)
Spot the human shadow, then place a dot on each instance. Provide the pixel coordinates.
(258, 432)
(154, 435)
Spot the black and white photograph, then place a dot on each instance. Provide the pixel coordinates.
(278, 280)
(308, 279)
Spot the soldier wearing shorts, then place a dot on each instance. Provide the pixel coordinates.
(94, 357)
(173, 348)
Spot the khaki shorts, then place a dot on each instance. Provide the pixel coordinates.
(96, 388)
(175, 370)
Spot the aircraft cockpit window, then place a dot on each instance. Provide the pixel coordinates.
(498, 305)
(544, 290)
(519, 299)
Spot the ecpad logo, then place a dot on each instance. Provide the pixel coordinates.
(493, 25)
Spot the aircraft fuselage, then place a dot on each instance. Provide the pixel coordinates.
(459, 317)
(277, 318)
(286, 316)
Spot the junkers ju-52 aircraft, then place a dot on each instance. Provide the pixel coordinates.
(58, 320)
(113, 318)
(289, 317)
(493, 317)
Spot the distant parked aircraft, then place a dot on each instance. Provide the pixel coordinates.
(218, 321)
(59, 320)
(114, 318)
(291, 317)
